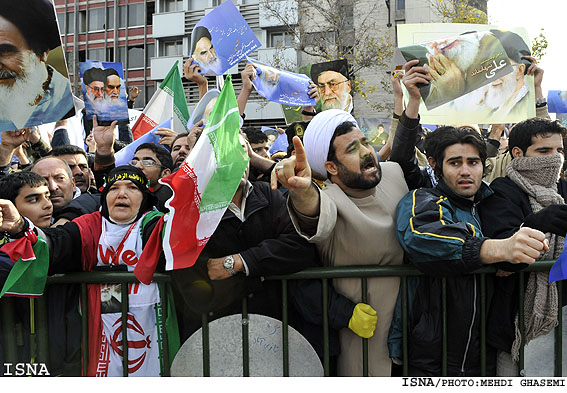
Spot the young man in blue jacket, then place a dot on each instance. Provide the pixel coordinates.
(440, 231)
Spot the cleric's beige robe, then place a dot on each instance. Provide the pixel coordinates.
(362, 232)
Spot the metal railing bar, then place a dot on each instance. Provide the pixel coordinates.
(85, 328)
(124, 299)
(206, 346)
(364, 285)
(164, 343)
(444, 327)
(325, 297)
(285, 332)
(245, 341)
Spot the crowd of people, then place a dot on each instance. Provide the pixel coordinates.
(447, 201)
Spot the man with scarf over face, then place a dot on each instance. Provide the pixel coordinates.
(531, 195)
(111, 239)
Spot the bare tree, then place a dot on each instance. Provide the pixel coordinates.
(324, 30)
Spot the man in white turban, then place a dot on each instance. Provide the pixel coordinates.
(351, 220)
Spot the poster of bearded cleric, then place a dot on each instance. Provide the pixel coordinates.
(34, 84)
(281, 86)
(103, 90)
(333, 84)
(482, 65)
(221, 39)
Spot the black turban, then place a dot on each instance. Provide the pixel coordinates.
(36, 21)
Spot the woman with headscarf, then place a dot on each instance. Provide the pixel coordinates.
(111, 239)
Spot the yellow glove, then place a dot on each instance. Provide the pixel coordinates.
(363, 320)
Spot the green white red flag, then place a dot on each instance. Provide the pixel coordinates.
(28, 275)
(203, 187)
(168, 102)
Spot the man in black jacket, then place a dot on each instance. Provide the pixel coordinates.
(532, 195)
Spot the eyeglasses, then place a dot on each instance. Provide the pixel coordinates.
(144, 163)
(332, 85)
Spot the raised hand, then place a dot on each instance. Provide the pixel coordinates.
(11, 220)
(167, 136)
(191, 72)
(248, 74)
(104, 137)
(293, 173)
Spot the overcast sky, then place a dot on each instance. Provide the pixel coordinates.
(534, 15)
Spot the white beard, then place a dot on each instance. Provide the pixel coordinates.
(464, 52)
(17, 101)
(341, 103)
(496, 97)
(214, 65)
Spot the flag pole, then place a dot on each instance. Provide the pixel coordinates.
(220, 82)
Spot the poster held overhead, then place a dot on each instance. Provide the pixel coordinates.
(508, 98)
(34, 84)
(221, 39)
(281, 86)
(104, 90)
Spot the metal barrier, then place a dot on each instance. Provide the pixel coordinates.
(40, 350)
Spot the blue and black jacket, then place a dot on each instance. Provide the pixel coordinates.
(441, 235)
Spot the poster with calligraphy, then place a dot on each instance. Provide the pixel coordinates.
(221, 39)
(478, 72)
(281, 86)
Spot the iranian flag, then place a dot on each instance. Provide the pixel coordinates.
(202, 190)
(167, 102)
(30, 258)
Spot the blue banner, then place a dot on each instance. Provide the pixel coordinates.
(557, 101)
(281, 86)
(124, 156)
(221, 39)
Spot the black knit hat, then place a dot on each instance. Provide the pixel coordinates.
(137, 177)
(36, 21)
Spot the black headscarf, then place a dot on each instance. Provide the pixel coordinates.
(137, 177)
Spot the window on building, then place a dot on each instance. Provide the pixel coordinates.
(150, 10)
(136, 14)
(150, 52)
(400, 5)
(82, 21)
(120, 56)
(278, 39)
(82, 55)
(136, 56)
(173, 48)
(150, 90)
(70, 22)
(70, 59)
(96, 19)
(96, 54)
(121, 16)
(171, 5)
(61, 22)
(110, 17)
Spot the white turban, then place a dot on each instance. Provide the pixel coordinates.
(317, 137)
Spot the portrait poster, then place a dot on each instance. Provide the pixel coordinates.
(221, 39)
(454, 74)
(333, 84)
(126, 154)
(104, 91)
(281, 86)
(34, 82)
(375, 129)
(505, 99)
(557, 101)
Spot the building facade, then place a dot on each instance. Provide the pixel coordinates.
(148, 36)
